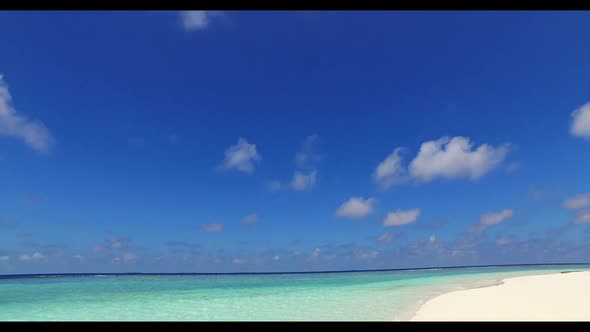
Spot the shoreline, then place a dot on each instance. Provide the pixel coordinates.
(554, 296)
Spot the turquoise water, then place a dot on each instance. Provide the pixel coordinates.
(391, 295)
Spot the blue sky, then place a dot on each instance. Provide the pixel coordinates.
(292, 141)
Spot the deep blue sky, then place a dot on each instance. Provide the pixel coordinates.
(114, 130)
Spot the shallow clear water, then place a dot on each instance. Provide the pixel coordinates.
(390, 295)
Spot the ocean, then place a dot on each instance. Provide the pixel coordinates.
(334, 296)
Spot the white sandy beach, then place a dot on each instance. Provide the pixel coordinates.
(551, 297)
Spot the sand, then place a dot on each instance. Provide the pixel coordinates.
(550, 297)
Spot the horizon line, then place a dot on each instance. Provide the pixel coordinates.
(36, 275)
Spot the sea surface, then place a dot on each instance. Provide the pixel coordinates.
(338, 296)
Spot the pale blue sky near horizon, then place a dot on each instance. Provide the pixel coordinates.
(292, 141)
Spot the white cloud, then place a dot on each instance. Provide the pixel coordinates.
(454, 158)
(241, 157)
(494, 218)
(116, 242)
(36, 256)
(400, 218)
(307, 155)
(356, 208)
(577, 202)
(316, 252)
(385, 238)
(390, 171)
(302, 181)
(129, 257)
(12, 124)
(197, 19)
(432, 238)
(239, 260)
(215, 227)
(79, 257)
(4, 258)
(250, 219)
(582, 217)
(581, 122)
(365, 256)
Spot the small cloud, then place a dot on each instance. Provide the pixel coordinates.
(432, 238)
(250, 219)
(494, 218)
(4, 258)
(356, 208)
(385, 238)
(239, 260)
(316, 252)
(116, 242)
(577, 202)
(400, 218)
(582, 217)
(129, 257)
(302, 181)
(365, 256)
(12, 124)
(454, 158)
(242, 157)
(79, 257)
(390, 171)
(308, 155)
(215, 227)
(34, 257)
(193, 20)
(580, 126)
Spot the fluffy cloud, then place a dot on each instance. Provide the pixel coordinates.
(580, 126)
(454, 158)
(356, 208)
(250, 219)
(582, 217)
(4, 258)
(215, 227)
(390, 171)
(302, 181)
(79, 257)
(197, 19)
(577, 202)
(494, 218)
(400, 218)
(12, 124)
(241, 157)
